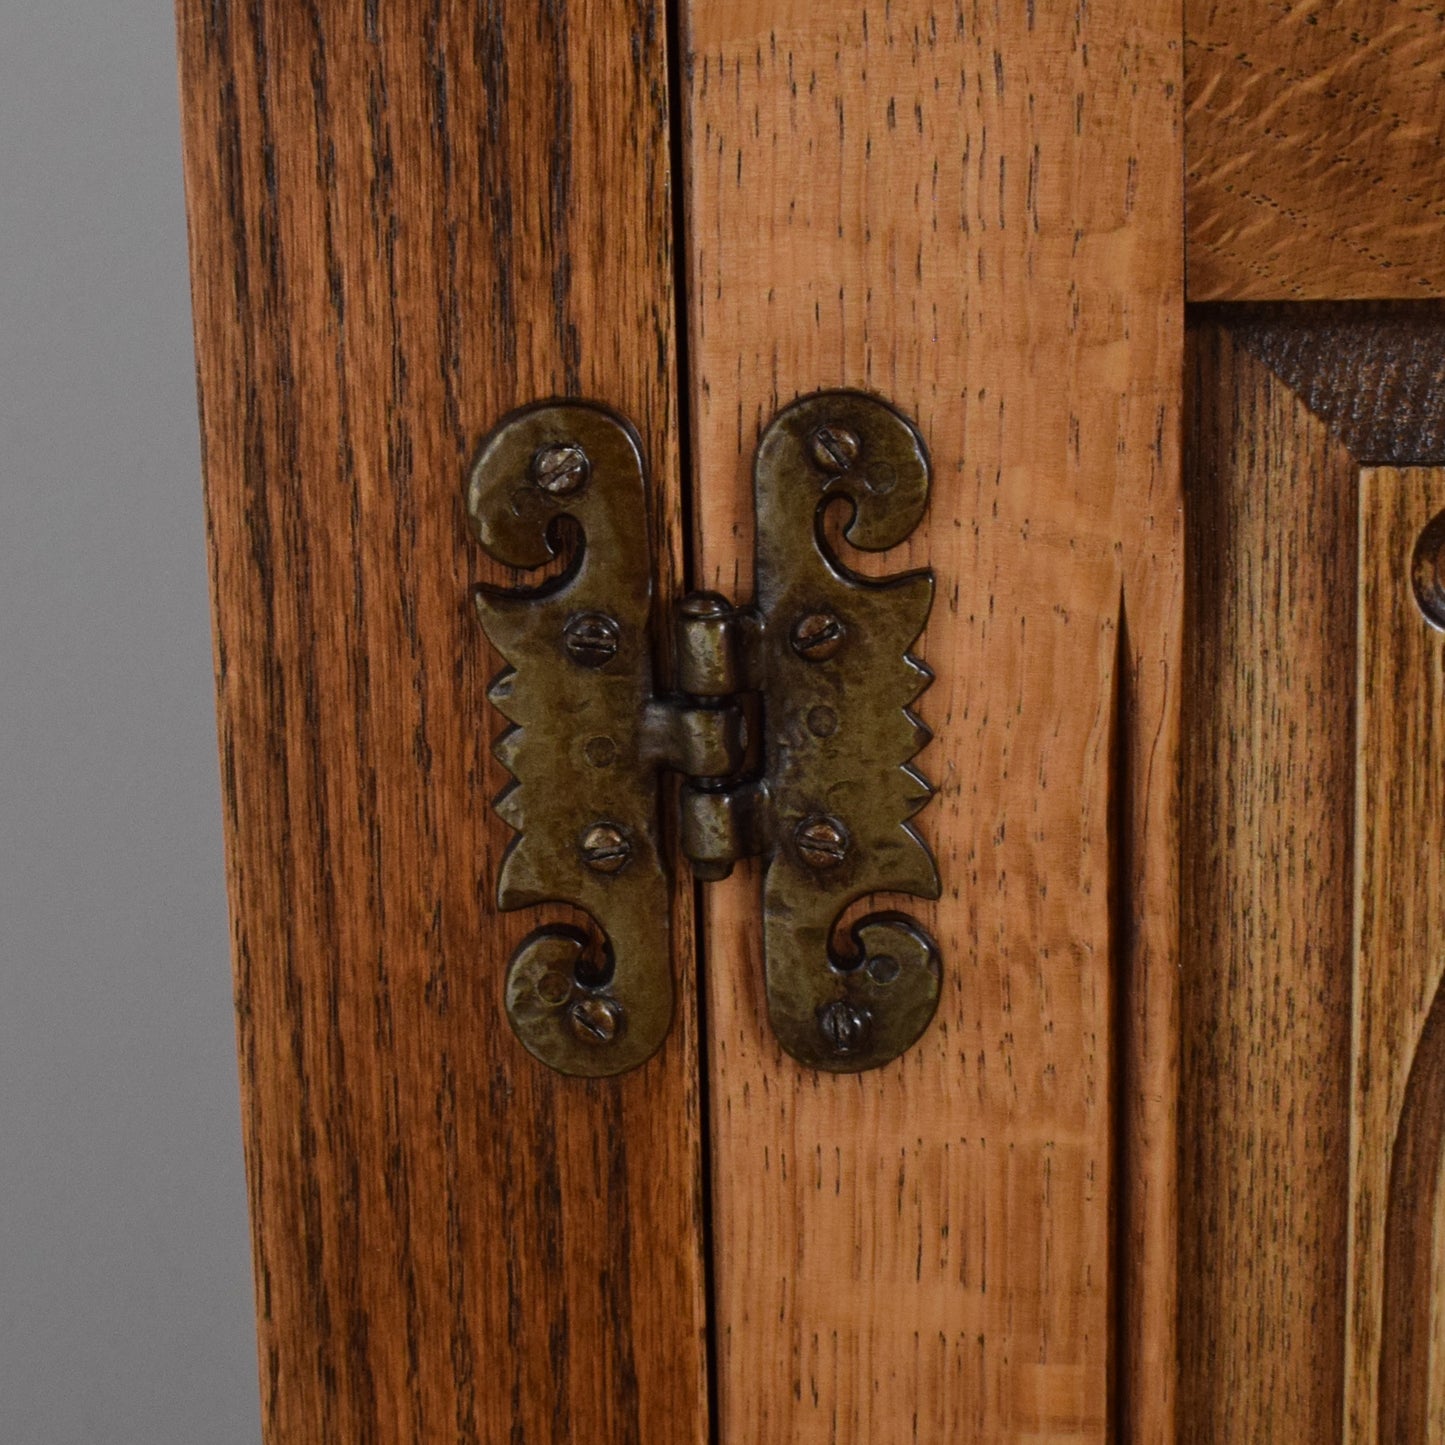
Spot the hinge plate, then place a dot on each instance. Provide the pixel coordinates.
(579, 674)
(838, 684)
(791, 725)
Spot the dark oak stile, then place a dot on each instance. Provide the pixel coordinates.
(406, 220)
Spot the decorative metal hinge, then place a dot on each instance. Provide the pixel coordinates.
(788, 721)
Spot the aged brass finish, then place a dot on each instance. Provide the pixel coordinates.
(840, 736)
(790, 726)
(577, 687)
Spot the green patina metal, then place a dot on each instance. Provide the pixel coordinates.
(790, 726)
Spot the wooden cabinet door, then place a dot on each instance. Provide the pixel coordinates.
(407, 220)
(1165, 1164)
(980, 218)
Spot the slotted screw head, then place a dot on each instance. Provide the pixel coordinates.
(822, 841)
(561, 469)
(818, 636)
(596, 1020)
(606, 848)
(834, 447)
(591, 639)
(844, 1027)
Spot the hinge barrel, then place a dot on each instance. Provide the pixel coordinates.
(721, 825)
(790, 724)
(696, 739)
(707, 636)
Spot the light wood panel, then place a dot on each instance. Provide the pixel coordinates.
(975, 211)
(405, 220)
(1396, 1378)
(1316, 149)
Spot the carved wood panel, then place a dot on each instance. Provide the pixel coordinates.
(1295, 414)
(1395, 1380)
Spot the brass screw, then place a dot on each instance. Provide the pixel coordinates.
(818, 636)
(606, 848)
(591, 639)
(844, 1027)
(822, 841)
(596, 1020)
(561, 469)
(834, 448)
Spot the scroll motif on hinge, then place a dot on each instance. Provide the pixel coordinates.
(584, 803)
(840, 682)
(792, 727)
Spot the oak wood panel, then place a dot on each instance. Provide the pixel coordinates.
(1315, 141)
(405, 220)
(1285, 403)
(975, 211)
(1395, 1381)
(1268, 843)
(1412, 1322)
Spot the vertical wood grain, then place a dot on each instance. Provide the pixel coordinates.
(975, 211)
(1286, 403)
(1395, 1388)
(1315, 139)
(1268, 843)
(405, 220)
(1411, 1404)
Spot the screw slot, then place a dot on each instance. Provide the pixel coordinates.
(844, 1027)
(834, 448)
(818, 636)
(596, 1020)
(562, 469)
(822, 842)
(606, 848)
(591, 639)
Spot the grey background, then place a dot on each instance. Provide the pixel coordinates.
(125, 1295)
